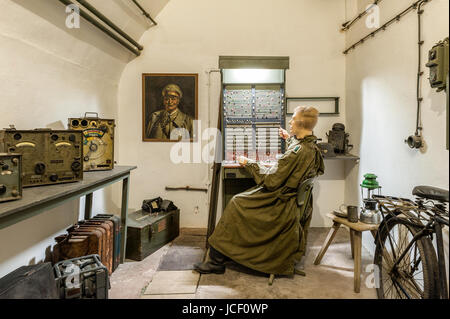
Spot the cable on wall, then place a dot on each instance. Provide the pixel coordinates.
(348, 24)
(384, 26)
(416, 140)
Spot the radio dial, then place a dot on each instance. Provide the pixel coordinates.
(76, 166)
(39, 169)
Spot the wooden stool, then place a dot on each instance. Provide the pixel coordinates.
(356, 230)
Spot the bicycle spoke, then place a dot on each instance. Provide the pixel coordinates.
(412, 288)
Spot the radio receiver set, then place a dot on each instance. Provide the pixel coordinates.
(49, 156)
(98, 141)
(10, 177)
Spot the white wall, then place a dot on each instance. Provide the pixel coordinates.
(189, 38)
(49, 73)
(381, 102)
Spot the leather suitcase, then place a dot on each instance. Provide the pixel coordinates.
(30, 282)
(79, 242)
(109, 227)
(117, 236)
(87, 238)
(146, 233)
(105, 228)
(94, 228)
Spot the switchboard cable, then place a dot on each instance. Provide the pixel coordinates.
(348, 24)
(397, 18)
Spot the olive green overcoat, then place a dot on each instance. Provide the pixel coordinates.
(261, 227)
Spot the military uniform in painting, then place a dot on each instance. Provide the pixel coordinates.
(162, 123)
(261, 228)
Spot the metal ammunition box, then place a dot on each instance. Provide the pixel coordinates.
(146, 233)
(98, 142)
(82, 278)
(10, 177)
(48, 156)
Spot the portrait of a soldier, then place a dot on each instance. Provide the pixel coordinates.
(170, 119)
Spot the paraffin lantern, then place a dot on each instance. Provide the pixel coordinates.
(369, 213)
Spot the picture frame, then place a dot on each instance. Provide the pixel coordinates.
(327, 106)
(169, 107)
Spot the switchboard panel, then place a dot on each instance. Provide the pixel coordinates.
(252, 115)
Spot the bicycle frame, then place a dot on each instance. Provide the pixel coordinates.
(392, 207)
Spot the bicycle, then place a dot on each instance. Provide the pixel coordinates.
(406, 258)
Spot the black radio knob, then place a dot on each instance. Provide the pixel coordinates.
(2, 189)
(53, 177)
(76, 166)
(17, 136)
(5, 167)
(39, 168)
(55, 137)
(72, 138)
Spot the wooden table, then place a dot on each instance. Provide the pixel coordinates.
(37, 200)
(356, 230)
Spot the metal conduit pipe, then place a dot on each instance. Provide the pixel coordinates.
(103, 28)
(99, 15)
(145, 13)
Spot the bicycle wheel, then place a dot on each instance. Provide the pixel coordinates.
(414, 276)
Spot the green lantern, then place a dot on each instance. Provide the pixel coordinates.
(369, 212)
(370, 181)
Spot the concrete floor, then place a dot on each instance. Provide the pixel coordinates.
(333, 278)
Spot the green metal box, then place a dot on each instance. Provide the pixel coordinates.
(146, 233)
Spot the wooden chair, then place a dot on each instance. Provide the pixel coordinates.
(304, 193)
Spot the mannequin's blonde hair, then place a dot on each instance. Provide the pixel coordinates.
(307, 117)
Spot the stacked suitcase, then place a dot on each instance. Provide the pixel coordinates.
(99, 235)
(30, 282)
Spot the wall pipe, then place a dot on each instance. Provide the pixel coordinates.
(384, 26)
(102, 28)
(99, 15)
(348, 24)
(145, 13)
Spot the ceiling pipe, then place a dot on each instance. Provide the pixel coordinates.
(103, 28)
(99, 15)
(145, 13)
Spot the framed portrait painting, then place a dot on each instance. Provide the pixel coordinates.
(169, 107)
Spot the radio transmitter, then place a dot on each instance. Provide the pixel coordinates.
(10, 177)
(98, 141)
(49, 156)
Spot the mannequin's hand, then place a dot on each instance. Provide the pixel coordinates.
(242, 160)
(283, 133)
